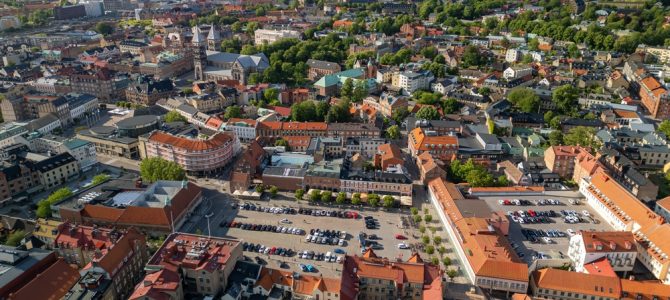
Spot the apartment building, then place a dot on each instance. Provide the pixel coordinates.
(244, 129)
(488, 258)
(16, 179)
(411, 81)
(381, 278)
(616, 248)
(443, 147)
(386, 103)
(624, 212)
(319, 68)
(119, 255)
(83, 151)
(101, 83)
(55, 170)
(655, 98)
(517, 72)
(429, 168)
(205, 262)
(37, 106)
(270, 36)
(561, 159)
(194, 155)
(147, 91)
(563, 285)
(353, 130)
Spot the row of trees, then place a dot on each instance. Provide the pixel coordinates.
(320, 111)
(341, 198)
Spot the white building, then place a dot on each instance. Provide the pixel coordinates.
(270, 36)
(93, 8)
(83, 151)
(411, 81)
(517, 72)
(589, 246)
(443, 86)
(244, 129)
(45, 124)
(512, 55)
(81, 104)
(12, 133)
(624, 212)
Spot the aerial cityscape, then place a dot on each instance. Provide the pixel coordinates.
(334, 149)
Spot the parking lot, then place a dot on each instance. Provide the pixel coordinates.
(536, 232)
(303, 225)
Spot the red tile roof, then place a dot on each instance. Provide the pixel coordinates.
(215, 252)
(155, 285)
(560, 280)
(218, 140)
(52, 284)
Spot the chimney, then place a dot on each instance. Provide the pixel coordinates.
(628, 245)
(612, 245)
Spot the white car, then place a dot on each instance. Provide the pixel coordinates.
(501, 202)
(341, 242)
(586, 213)
(285, 221)
(339, 259)
(308, 238)
(547, 240)
(403, 246)
(570, 232)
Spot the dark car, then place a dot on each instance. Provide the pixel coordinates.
(259, 260)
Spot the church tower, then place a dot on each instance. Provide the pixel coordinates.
(199, 56)
(213, 39)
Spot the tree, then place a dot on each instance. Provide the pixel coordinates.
(304, 111)
(315, 195)
(548, 116)
(103, 28)
(400, 114)
(524, 99)
(156, 168)
(417, 218)
(414, 211)
(98, 179)
(480, 178)
(446, 261)
(174, 116)
(360, 91)
(471, 57)
(270, 94)
(281, 142)
(429, 52)
(428, 218)
(425, 239)
(356, 199)
(14, 238)
(273, 191)
(341, 198)
(326, 196)
(393, 132)
(388, 201)
(44, 206)
(450, 105)
(502, 180)
(533, 44)
(430, 249)
(555, 122)
(428, 113)
(347, 89)
(434, 260)
(556, 138)
(299, 193)
(232, 112)
(664, 128)
(452, 273)
(260, 188)
(321, 110)
(437, 240)
(565, 98)
(582, 136)
(373, 200)
(491, 125)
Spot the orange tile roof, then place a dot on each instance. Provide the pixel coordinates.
(567, 150)
(664, 203)
(273, 125)
(650, 83)
(608, 241)
(647, 290)
(390, 152)
(560, 280)
(52, 284)
(218, 140)
(312, 126)
(423, 142)
(154, 285)
(490, 253)
(342, 23)
(600, 267)
(215, 252)
(588, 162)
(627, 114)
(298, 140)
(214, 122)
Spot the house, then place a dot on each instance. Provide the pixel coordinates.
(655, 98)
(388, 155)
(411, 81)
(430, 168)
(586, 248)
(444, 85)
(319, 68)
(561, 159)
(574, 285)
(517, 72)
(442, 147)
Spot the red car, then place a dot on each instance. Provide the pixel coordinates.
(532, 213)
(400, 237)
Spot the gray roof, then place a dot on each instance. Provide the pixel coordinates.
(13, 262)
(42, 122)
(284, 172)
(320, 64)
(134, 122)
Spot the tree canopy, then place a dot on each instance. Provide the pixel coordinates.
(428, 113)
(44, 206)
(174, 116)
(524, 99)
(154, 169)
(582, 136)
(565, 98)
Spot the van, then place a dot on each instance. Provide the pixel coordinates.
(327, 257)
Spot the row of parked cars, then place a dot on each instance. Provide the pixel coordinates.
(330, 237)
(269, 209)
(319, 256)
(541, 235)
(328, 213)
(531, 217)
(516, 202)
(263, 227)
(572, 216)
(259, 248)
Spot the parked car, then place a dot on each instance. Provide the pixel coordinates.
(400, 237)
(403, 246)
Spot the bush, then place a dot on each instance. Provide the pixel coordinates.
(430, 249)
(14, 238)
(388, 201)
(414, 211)
(98, 179)
(341, 198)
(356, 199)
(437, 240)
(442, 250)
(422, 229)
(425, 211)
(273, 191)
(425, 239)
(260, 188)
(315, 195)
(452, 273)
(428, 218)
(435, 261)
(446, 261)
(44, 206)
(417, 218)
(326, 196)
(299, 193)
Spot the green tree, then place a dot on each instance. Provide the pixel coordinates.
(524, 99)
(425, 239)
(502, 181)
(556, 138)
(400, 114)
(429, 52)
(233, 112)
(360, 91)
(664, 128)
(471, 57)
(555, 122)
(446, 261)
(437, 240)
(430, 249)
(347, 89)
(341, 198)
(582, 136)
(98, 179)
(452, 273)
(281, 142)
(174, 116)
(548, 116)
(356, 199)
(450, 106)
(326, 196)
(260, 188)
(299, 193)
(428, 218)
(388, 201)
(480, 178)
(14, 238)
(393, 132)
(104, 28)
(44, 206)
(270, 94)
(273, 191)
(304, 111)
(533, 44)
(373, 200)
(428, 113)
(565, 98)
(315, 195)
(156, 168)
(414, 211)
(417, 218)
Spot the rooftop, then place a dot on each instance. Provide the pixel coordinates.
(218, 140)
(195, 252)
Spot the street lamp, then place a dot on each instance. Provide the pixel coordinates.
(209, 232)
